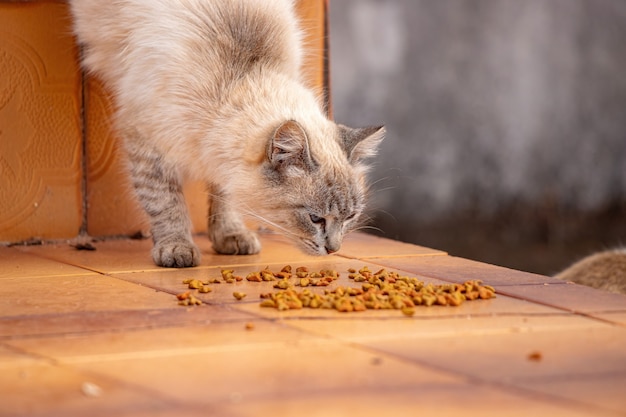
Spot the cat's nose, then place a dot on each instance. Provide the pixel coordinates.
(331, 248)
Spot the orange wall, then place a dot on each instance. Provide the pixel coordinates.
(61, 170)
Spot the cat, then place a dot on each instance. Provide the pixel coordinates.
(212, 90)
(603, 270)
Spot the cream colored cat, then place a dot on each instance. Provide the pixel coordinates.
(603, 270)
(211, 90)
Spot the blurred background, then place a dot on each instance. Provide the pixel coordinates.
(506, 123)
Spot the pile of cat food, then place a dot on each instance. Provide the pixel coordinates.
(381, 290)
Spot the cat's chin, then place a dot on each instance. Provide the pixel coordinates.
(310, 248)
(313, 249)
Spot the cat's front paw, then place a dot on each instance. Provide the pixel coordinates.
(177, 253)
(241, 243)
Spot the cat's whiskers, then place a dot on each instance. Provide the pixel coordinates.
(365, 226)
(244, 209)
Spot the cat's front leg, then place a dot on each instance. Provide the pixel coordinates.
(159, 190)
(227, 230)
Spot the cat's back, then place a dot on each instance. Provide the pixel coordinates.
(604, 270)
(227, 37)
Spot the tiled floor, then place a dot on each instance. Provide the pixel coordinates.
(100, 333)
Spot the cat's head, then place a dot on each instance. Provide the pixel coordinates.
(316, 186)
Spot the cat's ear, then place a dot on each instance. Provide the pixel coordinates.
(289, 147)
(360, 143)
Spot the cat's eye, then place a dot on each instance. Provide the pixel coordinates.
(317, 219)
(350, 217)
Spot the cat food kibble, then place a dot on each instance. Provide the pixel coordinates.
(381, 290)
(188, 299)
(239, 295)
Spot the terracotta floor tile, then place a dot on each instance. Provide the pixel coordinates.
(505, 306)
(10, 357)
(371, 329)
(206, 338)
(506, 357)
(109, 256)
(171, 281)
(618, 317)
(429, 399)
(177, 410)
(93, 322)
(364, 246)
(453, 269)
(123, 330)
(226, 362)
(571, 297)
(114, 256)
(65, 294)
(17, 264)
(40, 184)
(32, 387)
(605, 391)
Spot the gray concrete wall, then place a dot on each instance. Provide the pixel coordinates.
(491, 106)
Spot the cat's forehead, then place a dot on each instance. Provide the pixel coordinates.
(338, 191)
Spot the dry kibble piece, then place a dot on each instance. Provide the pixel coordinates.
(249, 326)
(205, 289)
(239, 295)
(268, 302)
(283, 285)
(535, 356)
(354, 291)
(267, 276)
(484, 293)
(344, 305)
(472, 295)
(287, 269)
(183, 296)
(365, 271)
(429, 299)
(408, 311)
(358, 306)
(190, 300)
(455, 299)
(254, 277)
(330, 273)
(194, 284)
